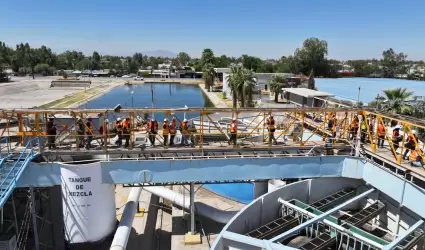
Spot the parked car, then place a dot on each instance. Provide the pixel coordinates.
(126, 76)
(138, 78)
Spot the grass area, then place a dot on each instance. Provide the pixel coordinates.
(222, 96)
(73, 98)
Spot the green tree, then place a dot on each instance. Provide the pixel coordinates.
(312, 56)
(277, 82)
(246, 88)
(393, 63)
(207, 57)
(182, 59)
(396, 100)
(233, 80)
(208, 75)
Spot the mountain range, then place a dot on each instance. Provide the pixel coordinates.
(160, 53)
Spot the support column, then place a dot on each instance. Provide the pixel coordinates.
(191, 238)
(34, 220)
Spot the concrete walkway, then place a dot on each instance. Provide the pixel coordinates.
(218, 103)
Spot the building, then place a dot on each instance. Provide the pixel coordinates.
(305, 97)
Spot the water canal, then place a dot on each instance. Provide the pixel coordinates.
(170, 96)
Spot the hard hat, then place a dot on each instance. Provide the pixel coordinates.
(398, 127)
(414, 132)
(234, 118)
(118, 119)
(106, 120)
(184, 120)
(165, 119)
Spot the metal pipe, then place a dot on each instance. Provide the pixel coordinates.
(126, 223)
(403, 235)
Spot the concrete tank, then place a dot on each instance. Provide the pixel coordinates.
(88, 205)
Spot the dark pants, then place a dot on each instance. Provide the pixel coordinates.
(232, 138)
(172, 139)
(396, 146)
(363, 135)
(89, 139)
(271, 136)
(51, 141)
(381, 139)
(408, 148)
(127, 139)
(165, 140)
(152, 136)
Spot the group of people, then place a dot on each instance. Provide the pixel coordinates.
(169, 131)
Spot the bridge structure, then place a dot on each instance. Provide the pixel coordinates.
(310, 143)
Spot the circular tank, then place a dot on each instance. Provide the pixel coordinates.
(88, 205)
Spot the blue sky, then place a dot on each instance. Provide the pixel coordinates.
(354, 29)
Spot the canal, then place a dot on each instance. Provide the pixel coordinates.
(163, 95)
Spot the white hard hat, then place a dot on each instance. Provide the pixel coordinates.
(165, 119)
(106, 120)
(184, 120)
(414, 132)
(398, 127)
(234, 119)
(118, 119)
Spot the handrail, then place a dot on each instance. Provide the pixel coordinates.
(29, 156)
(6, 139)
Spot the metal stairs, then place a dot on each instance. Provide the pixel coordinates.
(10, 173)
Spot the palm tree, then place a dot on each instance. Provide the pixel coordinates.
(247, 87)
(233, 80)
(277, 82)
(209, 75)
(396, 100)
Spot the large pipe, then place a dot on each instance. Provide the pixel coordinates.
(126, 224)
(184, 202)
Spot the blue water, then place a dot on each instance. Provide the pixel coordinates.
(369, 87)
(241, 192)
(165, 96)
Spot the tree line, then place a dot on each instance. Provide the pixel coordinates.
(311, 56)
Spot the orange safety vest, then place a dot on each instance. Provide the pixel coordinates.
(184, 127)
(165, 129)
(153, 125)
(413, 155)
(381, 130)
(173, 128)
(126, 126)
(354, 124)
(118, 127)
(233, 127)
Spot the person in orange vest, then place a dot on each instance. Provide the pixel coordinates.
(396, 138)
(103, 131)
(411, 144)
(51, 133)
(415, 158)
(165, 131)
(118, 130)
(80, 133)
(89, 133)
(271, 129)
(380, 133)
(152, 130)
(126, 126)
(184, 129)
(173, 130)
(354, 127)
(233, 131)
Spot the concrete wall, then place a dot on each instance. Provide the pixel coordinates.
(70, 84)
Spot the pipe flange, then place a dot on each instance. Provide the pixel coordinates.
(144, 176)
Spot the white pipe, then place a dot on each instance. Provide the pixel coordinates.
(184, 202)
(126, 223)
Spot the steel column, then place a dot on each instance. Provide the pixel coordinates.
(296, 229)
(401, 237)
(34, 219)
(192, 208)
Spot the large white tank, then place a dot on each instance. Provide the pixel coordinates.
(88, 205)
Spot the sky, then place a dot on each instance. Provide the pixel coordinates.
(354, 29)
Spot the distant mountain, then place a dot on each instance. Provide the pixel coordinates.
(160, 53)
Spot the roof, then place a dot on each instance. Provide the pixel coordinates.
(306, 92)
